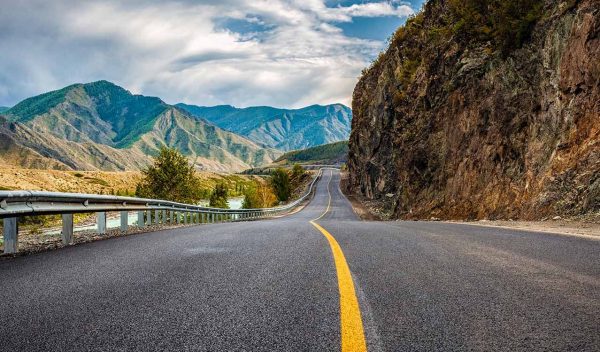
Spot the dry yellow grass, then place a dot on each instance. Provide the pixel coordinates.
(100, 182)
(96, 182)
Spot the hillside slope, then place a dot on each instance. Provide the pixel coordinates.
(283, 129)
(84, 120)
(327, 154)
(483, 109)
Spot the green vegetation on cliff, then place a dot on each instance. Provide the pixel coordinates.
(504, 23)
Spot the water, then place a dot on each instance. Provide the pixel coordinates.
(233, 202)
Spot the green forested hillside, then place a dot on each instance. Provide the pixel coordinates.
(332, 153)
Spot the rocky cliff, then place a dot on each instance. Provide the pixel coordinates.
(483, 109)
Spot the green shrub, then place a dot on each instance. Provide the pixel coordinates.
(507, 24)
(280, 182)
(218, 198)
(297, 171)
(170, 177)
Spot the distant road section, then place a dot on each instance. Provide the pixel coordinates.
(275, 285)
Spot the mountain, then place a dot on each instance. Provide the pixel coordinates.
(483, 109)
(327, 154)
(3, 108)
(21, 145)
(100, 125)
(282, 129)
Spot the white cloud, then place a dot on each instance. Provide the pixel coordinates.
(373, 9)
(177, 51)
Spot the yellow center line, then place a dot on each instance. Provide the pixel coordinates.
(352, 332)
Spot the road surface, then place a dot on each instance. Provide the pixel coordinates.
(286, 285)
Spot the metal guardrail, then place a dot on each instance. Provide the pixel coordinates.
(15, 204)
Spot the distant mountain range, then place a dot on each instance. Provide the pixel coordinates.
(101, 126)
(283, 129)
(3, 108)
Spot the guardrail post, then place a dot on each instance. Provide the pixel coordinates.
(124, 220)
(140, 218)
(171, 217)
(11, 235)
(101, 222)
(67, 229)
(156, 216)
(164, 216)
(212, 218)
(148, 217)
(185, 217)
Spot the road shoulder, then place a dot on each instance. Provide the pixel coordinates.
(561, 227)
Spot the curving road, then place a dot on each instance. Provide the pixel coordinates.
(274, 285)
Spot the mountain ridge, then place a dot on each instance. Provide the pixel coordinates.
(284, 129)
(103, 115)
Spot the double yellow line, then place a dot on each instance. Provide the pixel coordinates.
(352, 332)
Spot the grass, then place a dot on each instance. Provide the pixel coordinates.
(97, 181)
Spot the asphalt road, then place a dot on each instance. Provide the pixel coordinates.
(272, 285)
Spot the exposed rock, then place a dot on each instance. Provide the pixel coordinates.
(477, 134)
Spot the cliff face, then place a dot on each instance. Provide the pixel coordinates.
(451, 128)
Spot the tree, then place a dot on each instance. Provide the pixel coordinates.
(170, 177)
(280, 181)
(259, 197)
(218, 197)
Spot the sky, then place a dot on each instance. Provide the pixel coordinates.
(283, 53)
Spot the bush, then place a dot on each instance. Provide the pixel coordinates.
(507, 24)
(297, 172)
(170, 177)
(218, 197)
(280, 181)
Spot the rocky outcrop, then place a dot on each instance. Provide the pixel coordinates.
(448, 128)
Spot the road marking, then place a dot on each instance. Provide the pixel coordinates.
(352, 331)
(329, 195)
